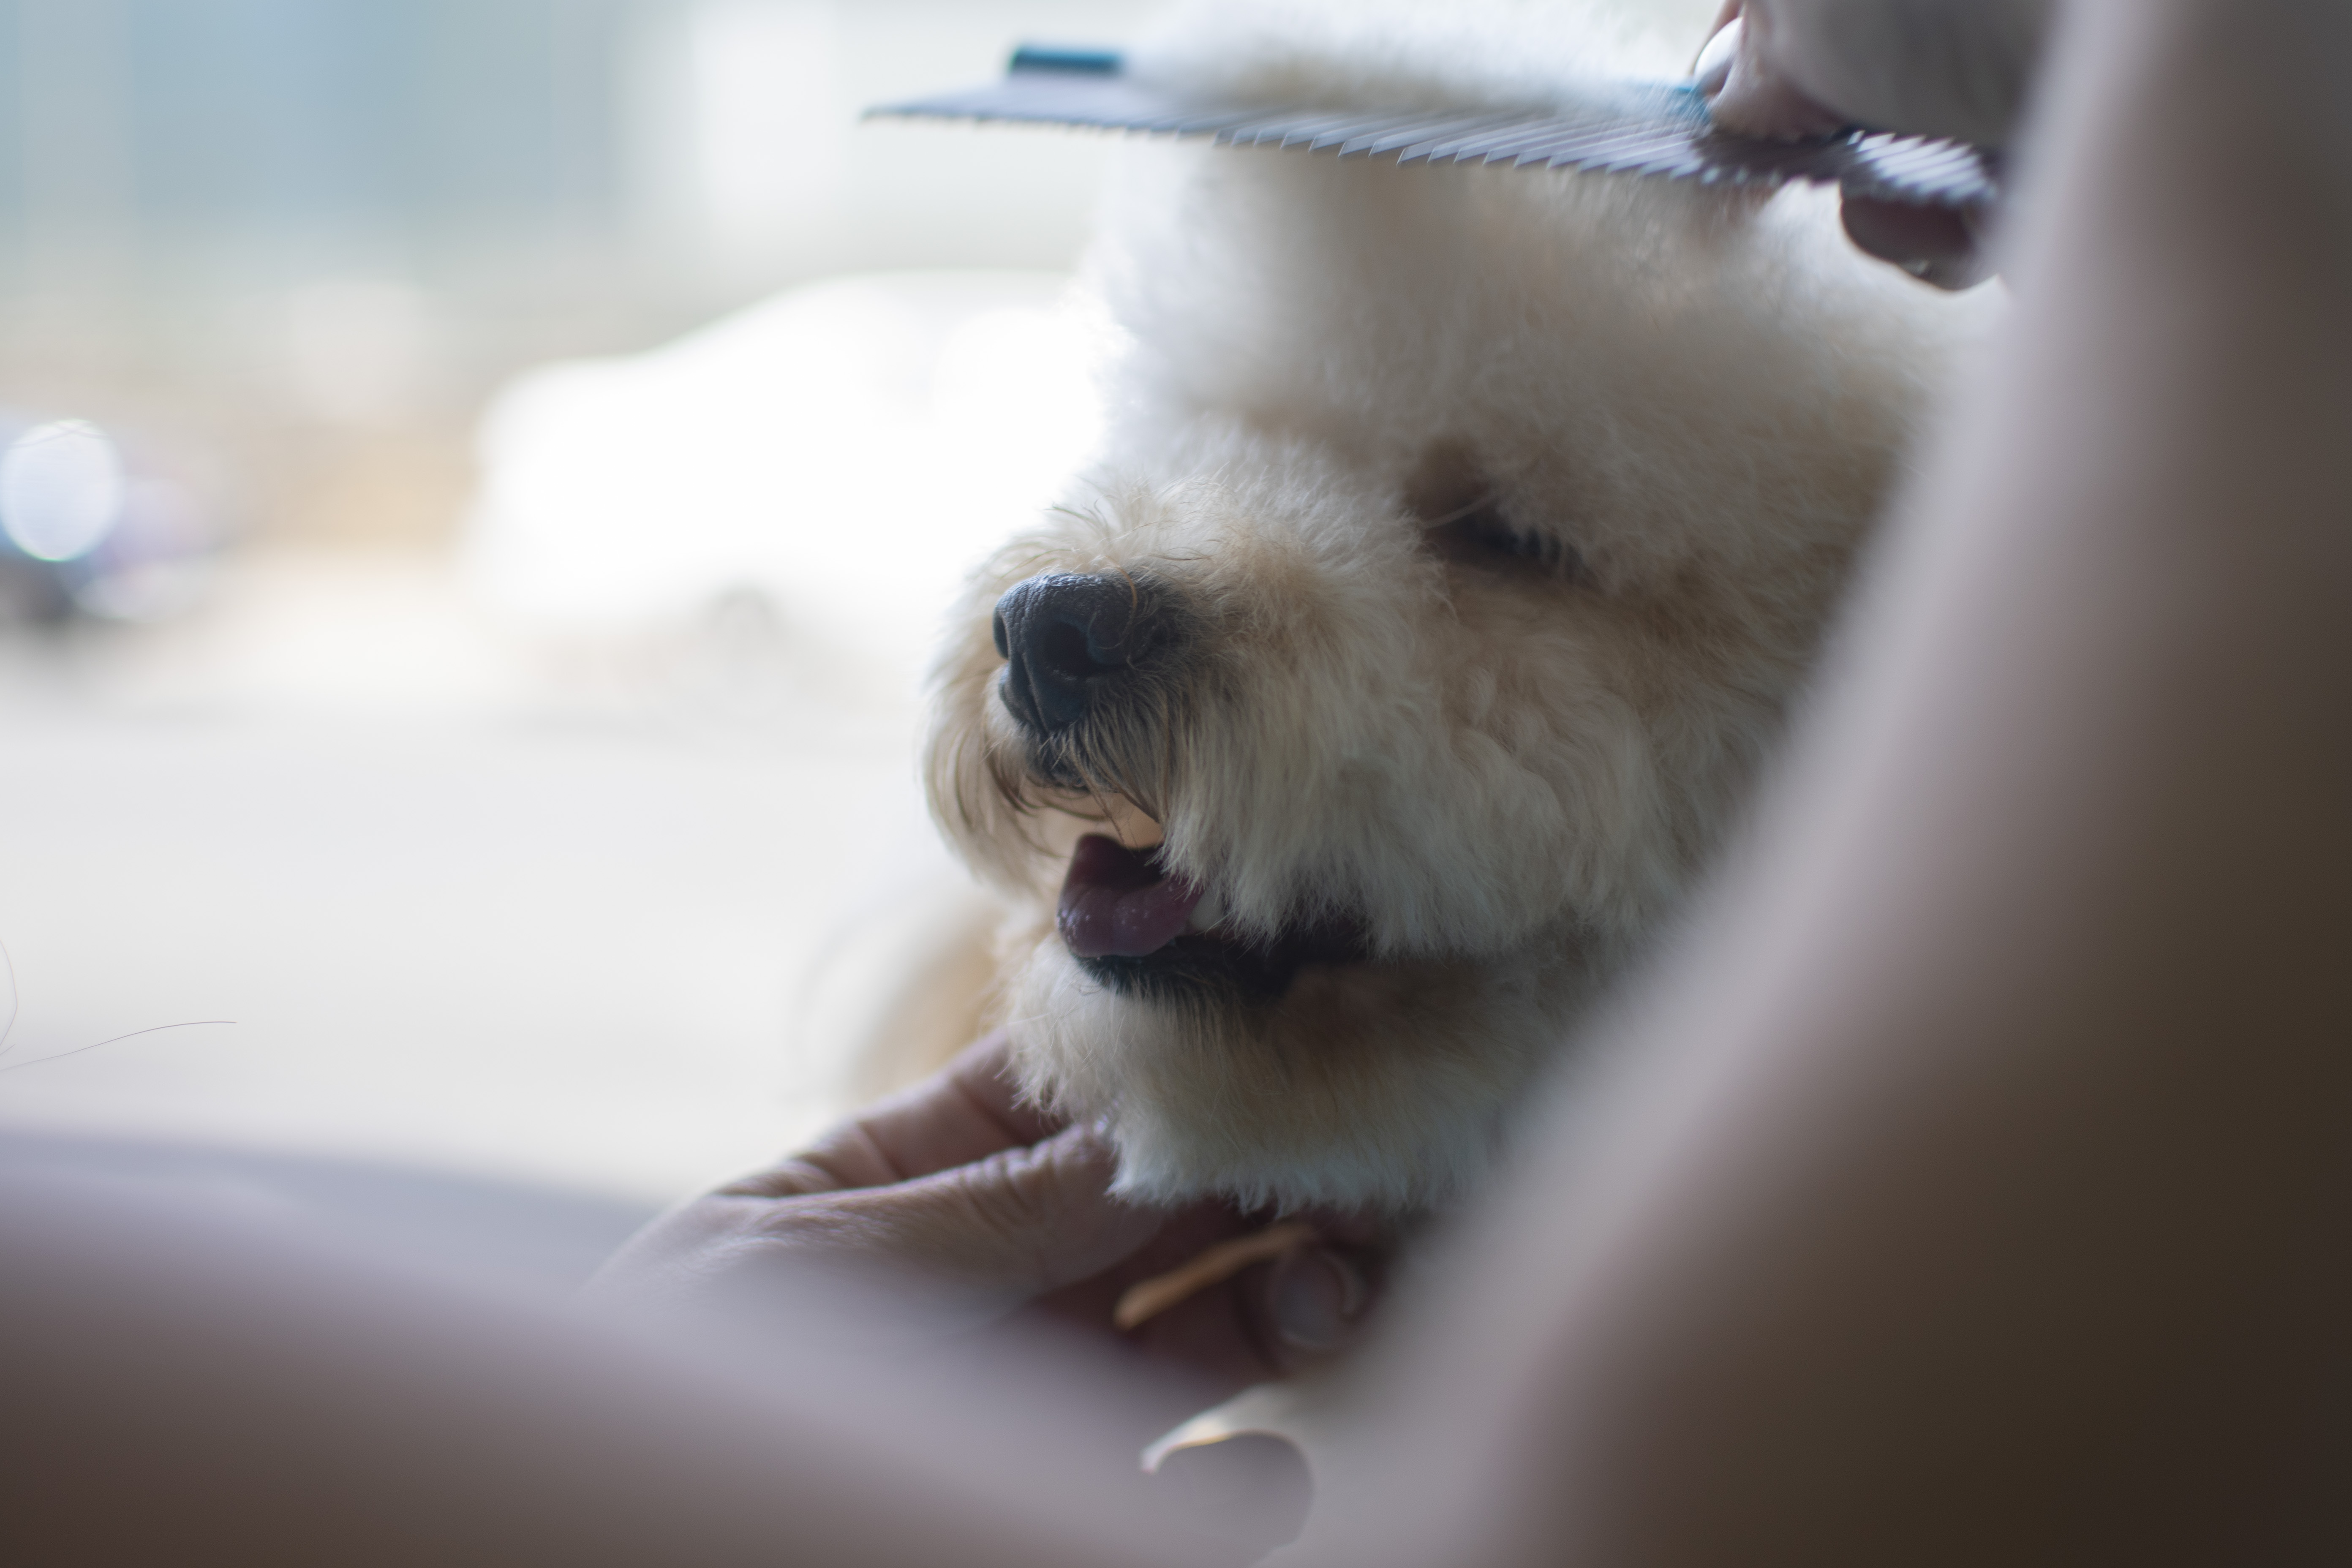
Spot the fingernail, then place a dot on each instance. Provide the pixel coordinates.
(1316, 1298)
(1713, 68)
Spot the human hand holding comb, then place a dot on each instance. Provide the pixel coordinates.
(1790, 69)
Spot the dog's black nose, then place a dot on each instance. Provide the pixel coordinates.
(1067, 641)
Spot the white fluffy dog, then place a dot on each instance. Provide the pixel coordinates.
(1462, 539)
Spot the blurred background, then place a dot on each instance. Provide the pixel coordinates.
(478, 482)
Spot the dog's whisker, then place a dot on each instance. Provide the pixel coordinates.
(117, 1039)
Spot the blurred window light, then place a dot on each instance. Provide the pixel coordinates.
(163, 138)
(61, 490)
(556, 175)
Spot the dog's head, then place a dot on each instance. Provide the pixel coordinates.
(1462, 540)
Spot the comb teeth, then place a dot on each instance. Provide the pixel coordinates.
(1635, 128)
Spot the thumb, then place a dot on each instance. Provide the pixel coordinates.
(1750, 94)
(1009, 1228)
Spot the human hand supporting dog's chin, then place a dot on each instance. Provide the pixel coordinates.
(1793, 69)
(976, 1210)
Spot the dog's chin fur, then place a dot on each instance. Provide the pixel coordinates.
(1502, 513)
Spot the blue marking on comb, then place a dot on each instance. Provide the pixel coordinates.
(1067, 61)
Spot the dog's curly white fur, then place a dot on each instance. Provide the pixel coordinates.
(1499, 515)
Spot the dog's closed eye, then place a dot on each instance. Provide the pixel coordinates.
(1463, 523)
(1483, 536)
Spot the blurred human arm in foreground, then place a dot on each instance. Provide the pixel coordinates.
(1970, 1187)
(1974, 1185)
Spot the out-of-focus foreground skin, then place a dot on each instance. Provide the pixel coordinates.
(1970, 1190)
(1977, 1194)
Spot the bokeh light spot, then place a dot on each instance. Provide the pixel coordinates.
(60, 490)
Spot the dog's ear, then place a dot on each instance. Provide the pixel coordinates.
(1459, 506)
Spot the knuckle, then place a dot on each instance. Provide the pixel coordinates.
(1014, 1192)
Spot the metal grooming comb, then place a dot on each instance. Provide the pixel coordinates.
(1633, 128)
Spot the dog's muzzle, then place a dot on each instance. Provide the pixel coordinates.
(1071, 644)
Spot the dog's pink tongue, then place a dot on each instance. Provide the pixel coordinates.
(1116, 904)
